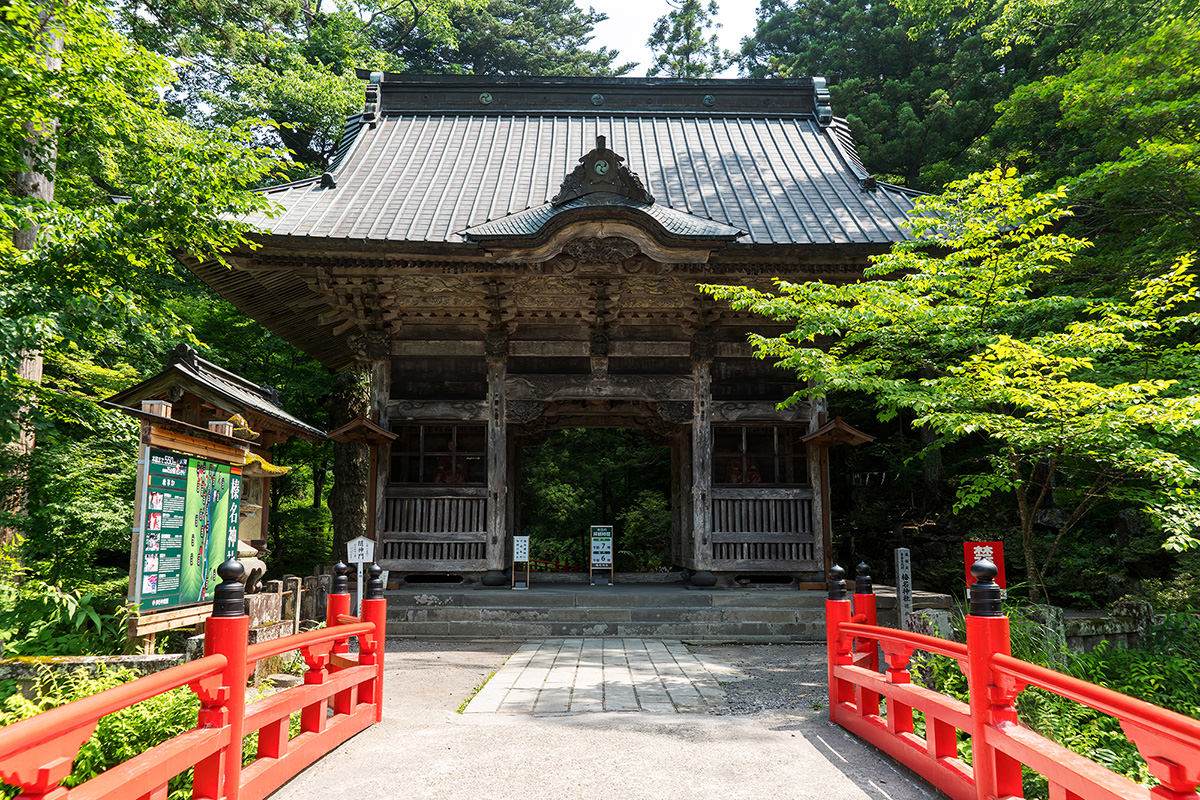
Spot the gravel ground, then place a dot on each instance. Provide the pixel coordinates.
(777, 677)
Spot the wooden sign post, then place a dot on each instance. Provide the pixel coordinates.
(904, 586)
(520, 556)
(602, 553)
(360, 550)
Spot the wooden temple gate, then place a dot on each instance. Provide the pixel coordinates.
(486, 248)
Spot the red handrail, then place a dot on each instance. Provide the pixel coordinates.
(1102, 699)
(917, 641)
(37, 754)
(1169, 742)
(28, 733)
(277, 647)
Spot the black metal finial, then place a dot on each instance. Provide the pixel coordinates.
(229, 598)
(375, 583)
(985, 593)
(837, 583)
(862, 580)
(341, 581)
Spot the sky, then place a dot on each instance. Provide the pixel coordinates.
(630, 21)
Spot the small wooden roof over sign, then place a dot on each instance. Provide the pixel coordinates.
(837, 432)
(188, 377)
(361, 429)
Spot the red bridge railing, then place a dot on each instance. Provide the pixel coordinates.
(36, 754)
(1000, 745)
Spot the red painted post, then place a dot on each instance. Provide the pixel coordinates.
(996, 774)
(226, 632)
(374, 610)
(864, 605)
(866, 651)
(837, 613)
(338, 603)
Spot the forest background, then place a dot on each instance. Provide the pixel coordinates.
(182, 108)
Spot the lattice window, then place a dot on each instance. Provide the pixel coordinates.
(447, 454)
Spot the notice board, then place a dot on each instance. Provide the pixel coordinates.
(188, 525)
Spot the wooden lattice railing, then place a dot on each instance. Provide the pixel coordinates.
(36, 754)
(1000, 745)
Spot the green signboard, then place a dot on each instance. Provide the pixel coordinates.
(189, 526)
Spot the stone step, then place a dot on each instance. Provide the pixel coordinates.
(678, 613)
(733, 631)
(600, 597)
(400, 615)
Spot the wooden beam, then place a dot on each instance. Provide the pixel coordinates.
(649, 349)
(400, 410)
(588, 387)
(437, 347)
(530, 347)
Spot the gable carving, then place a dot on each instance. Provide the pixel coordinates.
(602, 170)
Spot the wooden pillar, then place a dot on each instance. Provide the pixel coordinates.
(497, 470)
(818, 471)
(701, 555)
(676, 504)
(381, 388)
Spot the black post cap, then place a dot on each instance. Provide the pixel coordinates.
(374, 583)
(229, 598)
(985, 592)
(341, 581)
(837, 583)
(862, 581)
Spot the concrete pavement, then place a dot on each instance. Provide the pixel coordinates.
(424, 748)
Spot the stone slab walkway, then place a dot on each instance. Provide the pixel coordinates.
(565, 676)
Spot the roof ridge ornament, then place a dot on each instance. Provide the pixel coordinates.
(602, 170)
(821, 102)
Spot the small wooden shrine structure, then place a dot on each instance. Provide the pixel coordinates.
(195, 393)
(512, 255)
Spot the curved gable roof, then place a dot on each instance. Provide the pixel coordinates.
(432, 157)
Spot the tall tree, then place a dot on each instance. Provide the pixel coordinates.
(1074, 396)
(918, 102)
(289, 63)
(507, 37)
(682, 42)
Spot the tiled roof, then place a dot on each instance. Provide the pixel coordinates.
(428, 165)
(240, 392)
(532, 220)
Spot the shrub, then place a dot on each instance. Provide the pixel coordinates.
(303, 539)
(37, 618)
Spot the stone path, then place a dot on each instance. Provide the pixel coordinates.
(565, 676)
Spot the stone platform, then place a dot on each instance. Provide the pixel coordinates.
(572, 676)
(635, 611)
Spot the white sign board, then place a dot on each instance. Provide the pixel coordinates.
(904, 587)
(521, 548)
(360, 550)
(602, 546)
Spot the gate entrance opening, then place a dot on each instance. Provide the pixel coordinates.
(572, 478)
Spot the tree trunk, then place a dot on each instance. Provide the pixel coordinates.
(37, 185)
(319, 476)
(351, 461)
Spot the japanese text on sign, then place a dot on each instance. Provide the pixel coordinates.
(904, 587)
(602, 546)
(188, 526)
(520, 548)
(360, 550)
(992, 551)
